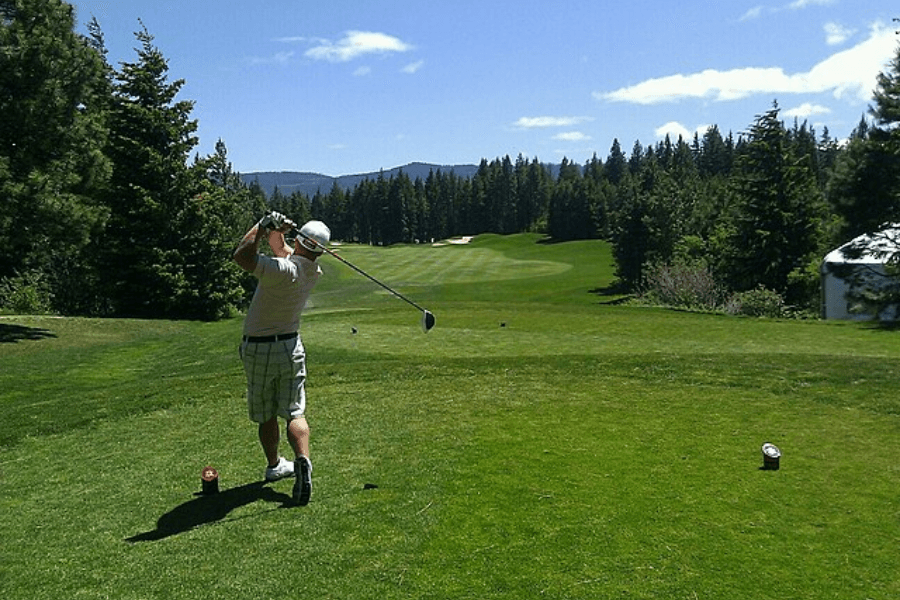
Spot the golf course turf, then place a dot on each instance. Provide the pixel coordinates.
(542, 441)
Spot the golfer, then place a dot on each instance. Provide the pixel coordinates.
(271, 350)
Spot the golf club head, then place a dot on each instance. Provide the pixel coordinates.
(427, 321)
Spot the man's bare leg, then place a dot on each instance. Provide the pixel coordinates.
(268, 438)
(298, 436)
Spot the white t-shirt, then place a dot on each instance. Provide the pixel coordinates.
(283, 288)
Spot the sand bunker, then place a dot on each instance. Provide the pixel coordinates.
(460, 240)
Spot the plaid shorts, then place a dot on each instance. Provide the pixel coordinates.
(276, 379)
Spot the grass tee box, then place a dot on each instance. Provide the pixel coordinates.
(537, 443)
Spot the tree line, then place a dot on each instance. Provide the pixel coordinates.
(106, 210)
(759, 210)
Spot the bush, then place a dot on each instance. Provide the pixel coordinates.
(804, 287)
(756, 303)
(26, 293)
(688, 285)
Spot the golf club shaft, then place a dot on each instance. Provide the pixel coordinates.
(363, 273)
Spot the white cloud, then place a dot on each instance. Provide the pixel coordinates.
(719, 85)
(836, 34)
(355, 44)
(278, 59)
(757, 11)
(540, 122)
(854, 71)
(674, 130)
(798, 4)
(851, 72)
(807, 109)
(413, 67)
(753, 13)
(572, 136)
(362, 71)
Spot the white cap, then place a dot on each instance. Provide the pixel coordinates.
(316, 230)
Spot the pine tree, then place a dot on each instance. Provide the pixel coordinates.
(886, 109)
(534, 196)
(438, 205)
(152, 191)
(502, 196)
(715, 158)
(216, 214)
(616, 164)
(629, 233)
(298, 209)
(635, 161)
(420, 231)
(774, 229)
(476, 213)
(53, 111)
(865, 189)
(362, 201)
(397, 223)
(828, 151)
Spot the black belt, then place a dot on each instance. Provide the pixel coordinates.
(267, 339)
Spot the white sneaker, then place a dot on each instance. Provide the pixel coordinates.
(284, 468)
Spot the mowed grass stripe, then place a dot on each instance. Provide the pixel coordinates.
(533, 329)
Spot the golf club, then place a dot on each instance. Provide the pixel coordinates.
(427, 317)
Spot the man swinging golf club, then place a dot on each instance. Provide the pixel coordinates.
(272, 351)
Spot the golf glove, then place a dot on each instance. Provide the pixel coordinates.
(276, 220)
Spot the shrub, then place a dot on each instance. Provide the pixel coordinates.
(759, 302)
(26, 293)
(682, 285)
(804, 287)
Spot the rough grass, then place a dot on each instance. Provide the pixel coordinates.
(537, 443)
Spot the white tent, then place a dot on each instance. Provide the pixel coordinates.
(868, 266)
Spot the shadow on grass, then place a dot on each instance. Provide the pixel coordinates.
(205, 509)
(883, 326)
(548, 240)
(10, 334)
(613, 294)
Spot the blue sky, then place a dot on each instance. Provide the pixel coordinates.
(353, 86)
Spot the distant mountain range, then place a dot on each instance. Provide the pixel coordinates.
(289, 182)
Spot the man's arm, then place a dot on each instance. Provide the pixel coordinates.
(278, 245)
(247, 253)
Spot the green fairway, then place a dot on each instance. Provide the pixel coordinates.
(540, 442)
